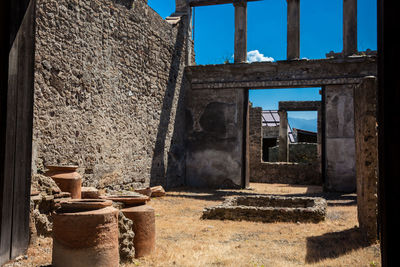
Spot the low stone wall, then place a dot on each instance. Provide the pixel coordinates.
(287, 173)
(262, 208)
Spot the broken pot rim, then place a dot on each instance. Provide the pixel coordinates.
(62, 168)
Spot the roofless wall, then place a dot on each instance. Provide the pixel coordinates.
(108, 92)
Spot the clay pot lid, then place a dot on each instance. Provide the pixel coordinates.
(128, 199)
(79, 205)
(144, 191)
(138, 209)
(62, 168)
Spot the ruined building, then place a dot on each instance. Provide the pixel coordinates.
(116, 91)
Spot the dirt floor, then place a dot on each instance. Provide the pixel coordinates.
(183, 239)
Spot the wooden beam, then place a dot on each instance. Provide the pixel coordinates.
(194, 3)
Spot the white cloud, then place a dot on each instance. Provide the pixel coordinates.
(256, 56)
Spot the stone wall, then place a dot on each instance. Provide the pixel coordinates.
(282, 172)
(109, 92)
(270, 131)
(366, 156)
(215, 138)
(287, 173)
(340, 173)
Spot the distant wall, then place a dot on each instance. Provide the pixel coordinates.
(109, 92)
(277, 172)
(298, 152)
(286, 173)
(270, 131)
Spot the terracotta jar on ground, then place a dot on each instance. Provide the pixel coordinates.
(85, 233)
(67, 179)
(144, 228)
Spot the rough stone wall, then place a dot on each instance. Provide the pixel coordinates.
(255, 139)
(215, 138)
(108, 92)
(340, 173)
(366, 156)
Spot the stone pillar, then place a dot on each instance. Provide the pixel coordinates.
(283, 155)
(340, 173)
(319, 138)
(240, 57)
(189, 37)
(293, 29)
(240, 31)
(366, 137)
(349, 27)
(180, 6)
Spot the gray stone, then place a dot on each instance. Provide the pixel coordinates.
(261, 208)
(109, 93)
(125, 238)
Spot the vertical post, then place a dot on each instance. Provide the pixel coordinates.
(366, 156)
(349, 27)
(319, 138)
(293, 29)
(189, 37)
(240, 50)
(16, 116)
(240, 31)
(283, 154)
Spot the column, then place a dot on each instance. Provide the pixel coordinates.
(240, 50)
(283, 154)
(366, 137)
(240, 31)
(349, 27)
(293, 29)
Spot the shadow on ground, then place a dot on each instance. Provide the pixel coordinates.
(334, 245)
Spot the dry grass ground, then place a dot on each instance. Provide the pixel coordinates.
(183, 239)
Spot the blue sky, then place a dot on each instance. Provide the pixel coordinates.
(320, 33)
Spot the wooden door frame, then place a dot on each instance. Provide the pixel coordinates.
(16, 119)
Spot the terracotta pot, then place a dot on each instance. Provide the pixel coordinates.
(86, 238)
(67, 179)
(128, 200)
(79, 205)
(144, 228)
(144, 191)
